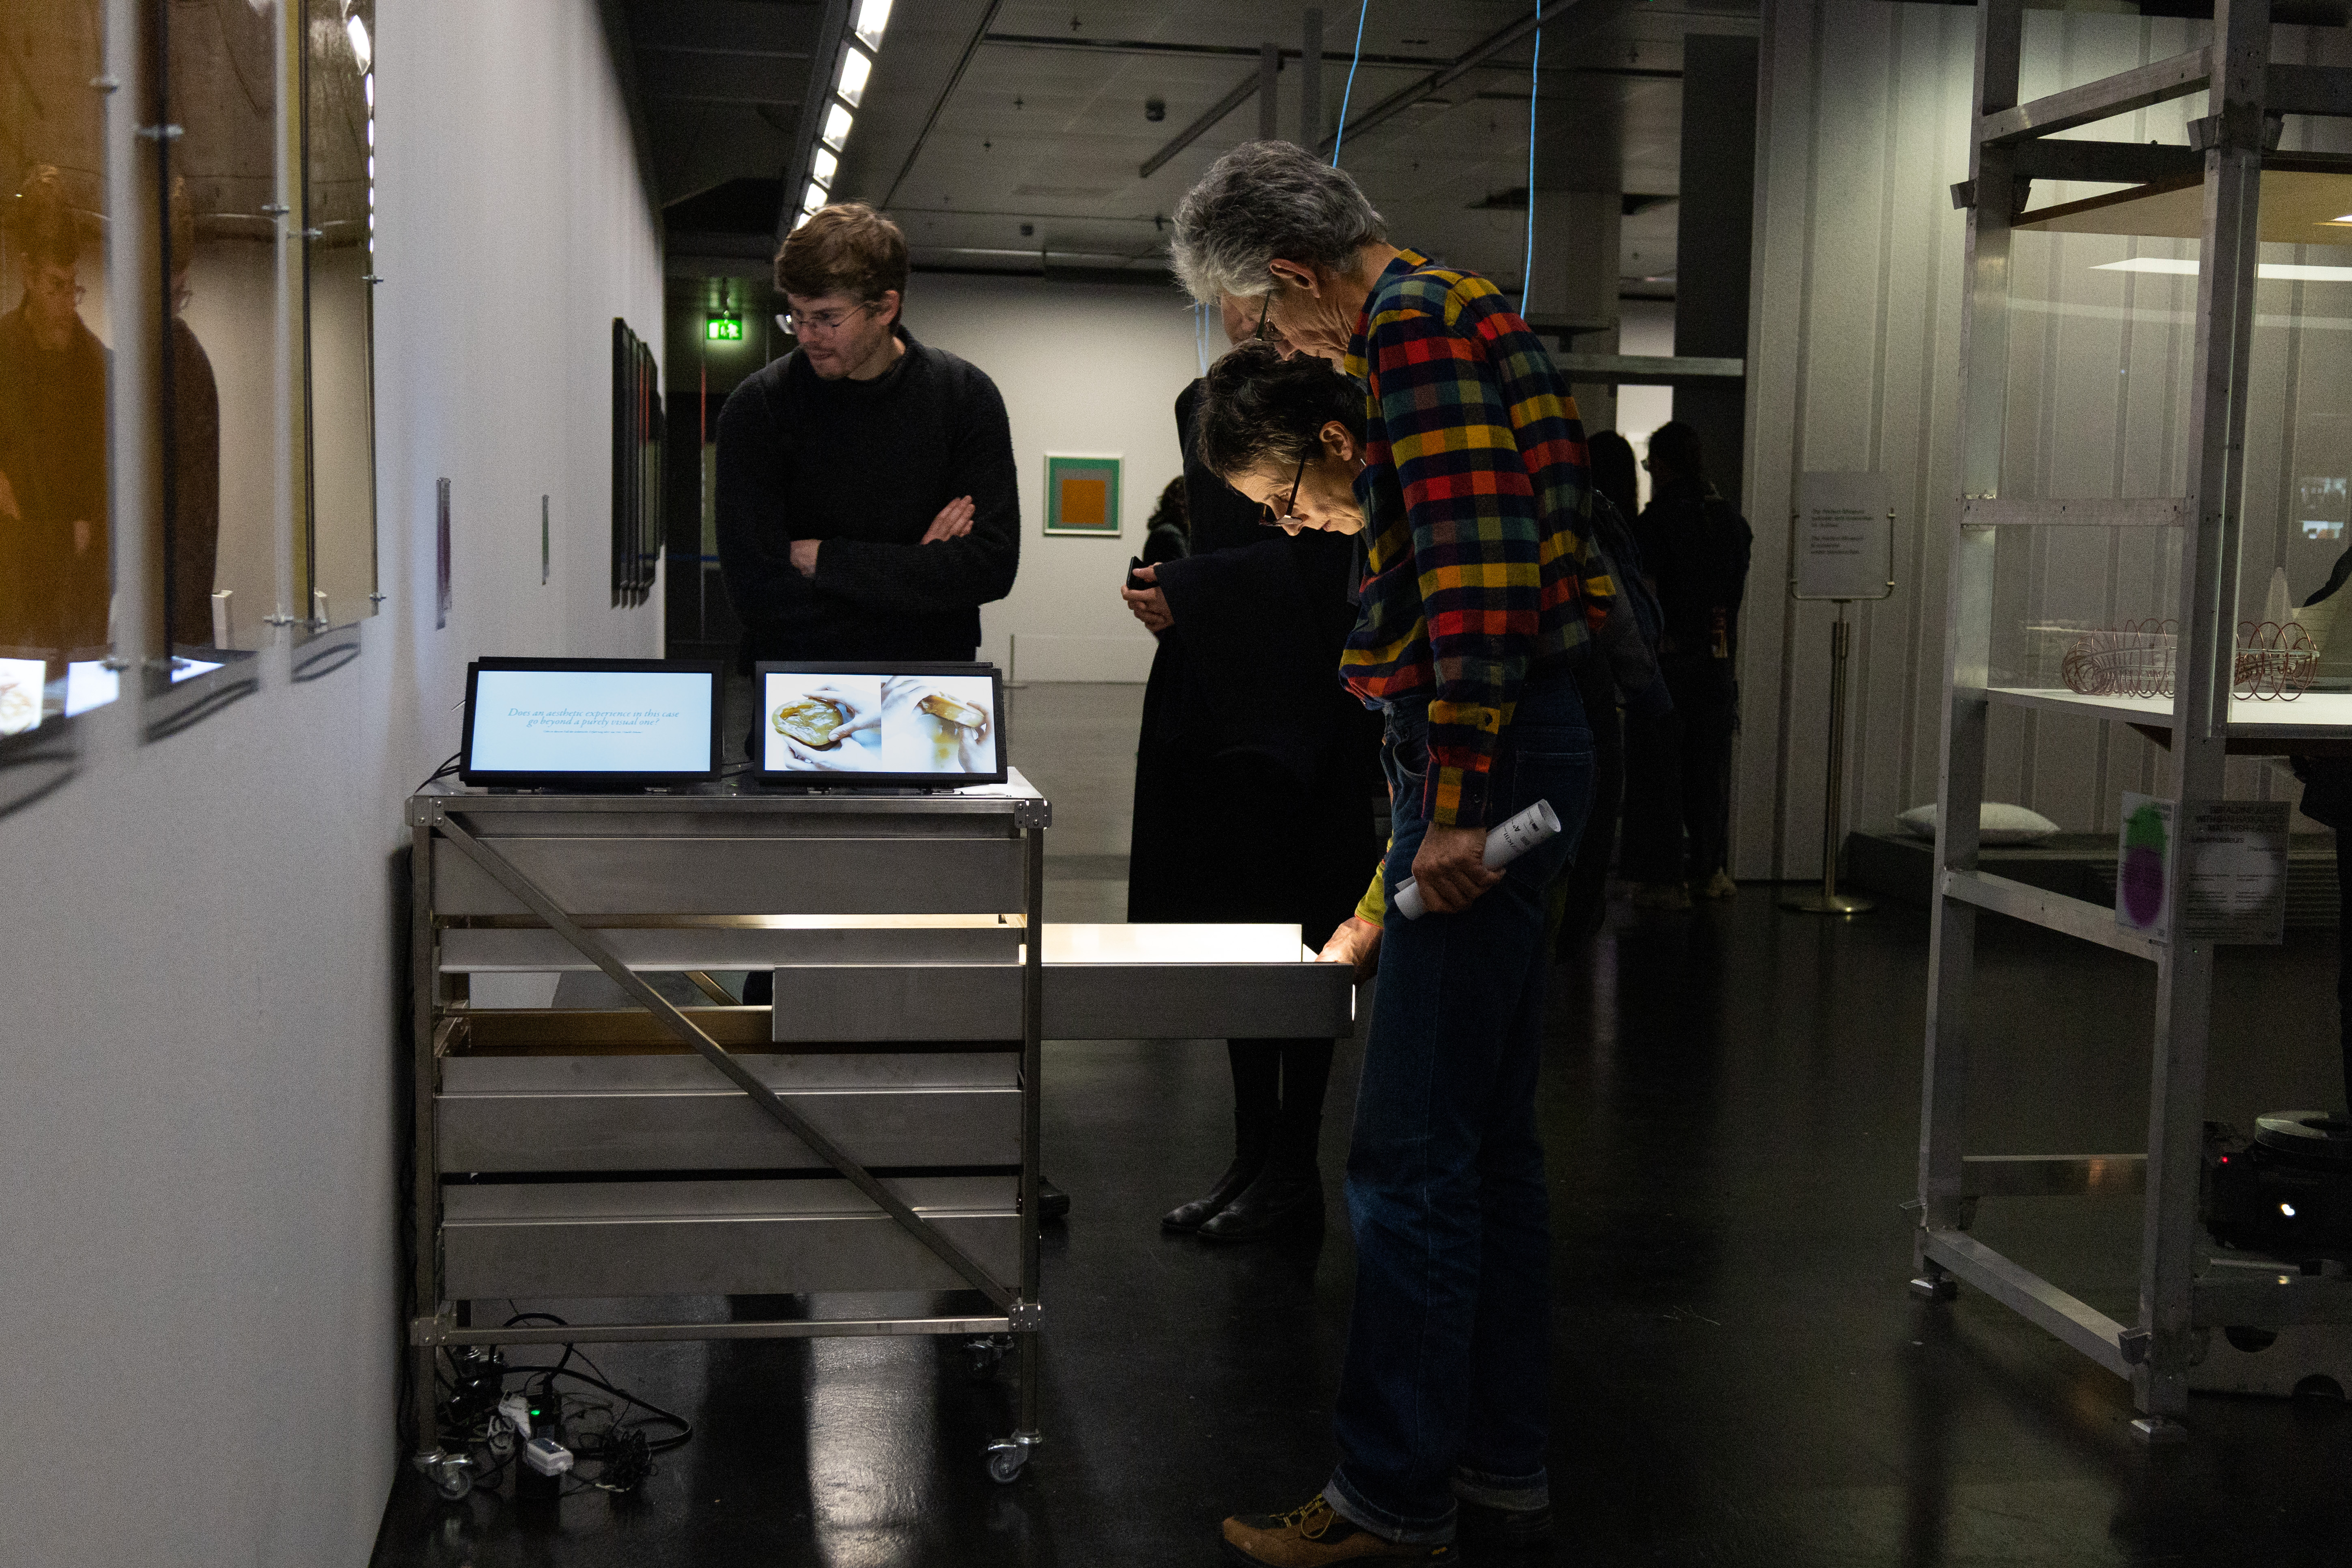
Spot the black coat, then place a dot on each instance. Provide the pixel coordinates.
(1255, 770)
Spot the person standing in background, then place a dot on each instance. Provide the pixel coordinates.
(1581, 896)
(195, 447)
(1249, 756)
(1695, 550)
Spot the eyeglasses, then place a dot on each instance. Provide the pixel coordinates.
(824, 323)
(1262, 310)
(1290, 507)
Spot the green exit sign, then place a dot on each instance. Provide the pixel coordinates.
(723, 328)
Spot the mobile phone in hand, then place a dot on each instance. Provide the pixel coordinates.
(1136, 585)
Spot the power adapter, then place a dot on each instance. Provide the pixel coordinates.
(539, 1476)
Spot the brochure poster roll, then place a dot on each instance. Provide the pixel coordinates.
(1504, 844)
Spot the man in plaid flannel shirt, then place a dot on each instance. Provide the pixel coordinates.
(1479, 593)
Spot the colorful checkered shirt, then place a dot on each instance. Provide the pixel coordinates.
(1476, 494)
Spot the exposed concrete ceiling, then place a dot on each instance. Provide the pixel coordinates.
(985, 118)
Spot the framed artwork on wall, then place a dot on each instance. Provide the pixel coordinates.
(1082, 494)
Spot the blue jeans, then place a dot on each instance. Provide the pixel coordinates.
(1446, 1385)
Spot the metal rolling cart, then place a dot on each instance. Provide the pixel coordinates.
(590, 1154)
(2186, 548)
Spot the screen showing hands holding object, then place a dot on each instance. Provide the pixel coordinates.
(930, 726)
(1504, 844)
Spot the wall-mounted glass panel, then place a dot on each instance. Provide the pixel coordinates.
(56, 554)
(219, 387)
(335, 553)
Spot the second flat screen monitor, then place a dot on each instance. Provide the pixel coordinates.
(933, 726)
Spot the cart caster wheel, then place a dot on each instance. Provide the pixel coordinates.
(1006, 1460)
(1935, 1286)
(452, 1475)
(981, 1359)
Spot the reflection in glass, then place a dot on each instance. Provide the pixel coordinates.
(220, 563)
(337, 561)
(56, 581)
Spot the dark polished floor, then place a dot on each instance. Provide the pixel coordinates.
(1739, 1375)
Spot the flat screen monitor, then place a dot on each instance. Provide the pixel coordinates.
(590, 723)
(881, 725)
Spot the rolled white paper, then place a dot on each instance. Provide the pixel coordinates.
(1504, 844)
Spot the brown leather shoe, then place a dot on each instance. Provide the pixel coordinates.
(1311, 1536)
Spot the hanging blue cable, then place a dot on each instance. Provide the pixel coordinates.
(1527, 259)
(1345, 93)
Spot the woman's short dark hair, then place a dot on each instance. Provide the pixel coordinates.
(1168, 511)
(1260, 410)
(1612, 459)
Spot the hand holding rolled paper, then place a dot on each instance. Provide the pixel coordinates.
(1504, 844)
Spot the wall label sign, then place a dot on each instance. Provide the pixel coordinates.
(2232, 886)
(1843, 544)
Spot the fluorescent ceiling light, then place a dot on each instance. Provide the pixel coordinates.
(358, 31)
(872, 17)
(836, 127)
(821, 167)
(856, 65)
(2275, 271)
(814, 199)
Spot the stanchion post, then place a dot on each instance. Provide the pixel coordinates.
(1829, 901)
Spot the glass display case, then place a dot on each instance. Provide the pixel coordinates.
(2102, 305)
(57, 553)
(335, 553)
(217, 386)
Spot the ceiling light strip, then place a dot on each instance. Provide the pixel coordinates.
(2274, 271)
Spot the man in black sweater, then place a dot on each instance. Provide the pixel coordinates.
(868, 505)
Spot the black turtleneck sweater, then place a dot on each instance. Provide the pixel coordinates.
(863, 466)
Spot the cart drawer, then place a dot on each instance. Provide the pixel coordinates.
(1092, 1001)
(673, 1073)
(932, 939)
(741, 875)
(884, 1002)
(719, 1238)
(721, 1128)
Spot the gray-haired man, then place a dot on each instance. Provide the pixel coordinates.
(1479, 597)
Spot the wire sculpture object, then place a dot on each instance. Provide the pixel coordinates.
(2275, 663)
(2134, 659)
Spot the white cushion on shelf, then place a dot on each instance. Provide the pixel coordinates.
(1997, 824)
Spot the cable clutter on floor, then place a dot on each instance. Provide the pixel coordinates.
(558, 1442)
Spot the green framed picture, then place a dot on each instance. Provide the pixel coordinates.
(1082, 494)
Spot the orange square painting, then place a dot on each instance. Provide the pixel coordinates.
(1082, 495)
(1085, 502)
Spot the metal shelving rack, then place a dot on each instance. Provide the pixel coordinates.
(2181, 1310)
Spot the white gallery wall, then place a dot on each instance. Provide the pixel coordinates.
(1854, 366)
(202, 1041)
(1085, 369)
